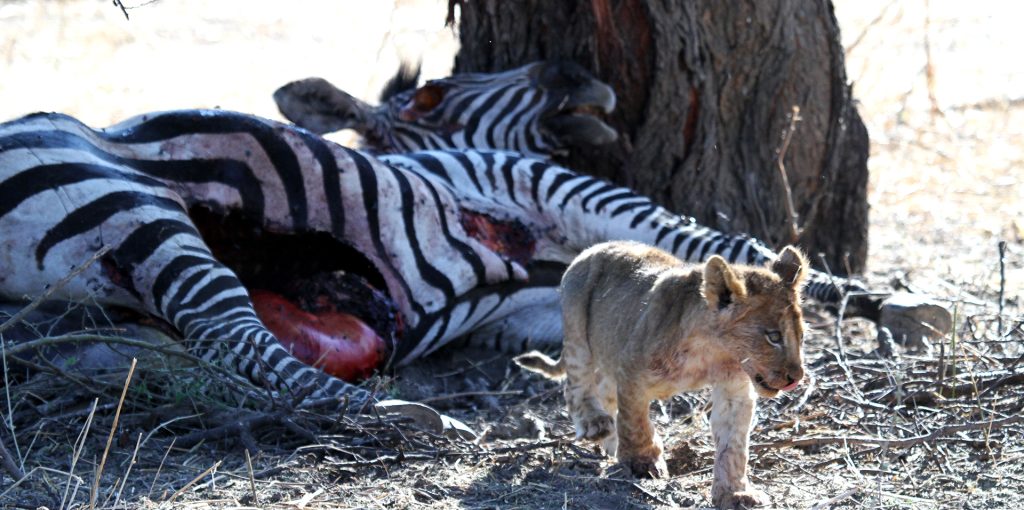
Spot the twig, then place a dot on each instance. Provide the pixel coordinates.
(234, 427)
(794, 230)
(839, 313)
(1002, 286)
(892, 443)
(117, 3)
(381, 460)
(131, 463)
(929, 67)
(28, 475)
(9, 464)
(161, 466)
(194, 480)
(953, 342)
(305, 500)
(18, 317)
(79, 446)
(869, 26)
(532, 446)
(941, 374)
(835, 499)
(9, 419)
(252, 479)
(651, 495)
(468, 394)
(812, 384)
(110, 437)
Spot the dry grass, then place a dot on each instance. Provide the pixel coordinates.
(946, 186)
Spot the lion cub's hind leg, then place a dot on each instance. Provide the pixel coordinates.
(583, 380)
(608, 391)
(582, 394)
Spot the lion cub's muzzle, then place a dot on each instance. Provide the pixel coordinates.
(785, 380)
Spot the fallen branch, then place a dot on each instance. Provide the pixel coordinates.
(946, 391)
(453, 396)
(193, 482)
(385, 459)
(240, 428)
(828, 503)
(891, 443)
(110, 438)
(1002, 286)
(8, 463)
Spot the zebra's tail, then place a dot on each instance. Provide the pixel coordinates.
(536, 361)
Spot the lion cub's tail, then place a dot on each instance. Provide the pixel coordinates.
(536, 361)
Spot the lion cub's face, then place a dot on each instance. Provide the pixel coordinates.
(758, 314)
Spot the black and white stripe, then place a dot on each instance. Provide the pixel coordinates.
(496, 110)
(538, 110)
(66, 190)
(565, 213)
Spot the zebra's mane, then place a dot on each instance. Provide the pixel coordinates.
(406, 78)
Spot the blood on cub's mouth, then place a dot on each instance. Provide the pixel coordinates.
(761, 382)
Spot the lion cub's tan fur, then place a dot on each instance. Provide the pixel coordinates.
(642, 325)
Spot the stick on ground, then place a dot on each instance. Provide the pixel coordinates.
(9, 464)
(110, 438)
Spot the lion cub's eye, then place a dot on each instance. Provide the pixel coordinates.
(773, 337)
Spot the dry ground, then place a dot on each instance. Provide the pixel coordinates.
(947, 185)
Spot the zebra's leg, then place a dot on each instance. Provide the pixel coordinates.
(536, 327)
(830, 290)
(584, 211)
(207, 303)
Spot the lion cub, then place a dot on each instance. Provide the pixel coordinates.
(640, 325)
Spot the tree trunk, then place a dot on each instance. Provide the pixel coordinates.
(706, 93)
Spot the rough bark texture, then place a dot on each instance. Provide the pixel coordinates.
(706, 89)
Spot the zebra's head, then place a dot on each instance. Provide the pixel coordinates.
(539, 110)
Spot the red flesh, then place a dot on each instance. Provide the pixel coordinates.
(337, 343)
(509, 238)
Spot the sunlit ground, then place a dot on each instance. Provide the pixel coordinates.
(947, 184)
(84, 58)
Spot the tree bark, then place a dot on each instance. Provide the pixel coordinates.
(706, 90)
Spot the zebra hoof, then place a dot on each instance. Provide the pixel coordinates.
(455, 429)
(915, 319)
(427, 418)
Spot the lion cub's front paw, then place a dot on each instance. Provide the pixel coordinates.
(749, 498)
(646, 467)
(595, 427)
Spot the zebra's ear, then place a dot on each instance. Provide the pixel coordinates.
(322, 108)
(422, 102)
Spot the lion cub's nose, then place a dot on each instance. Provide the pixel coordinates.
(793, 376)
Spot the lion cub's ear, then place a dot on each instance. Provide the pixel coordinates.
(791, 266)
(721, 286)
